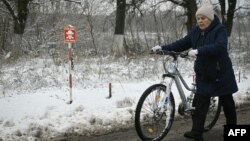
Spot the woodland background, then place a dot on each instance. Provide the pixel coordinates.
(111, 27)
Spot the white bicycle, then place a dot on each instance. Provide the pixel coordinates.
(155, 111)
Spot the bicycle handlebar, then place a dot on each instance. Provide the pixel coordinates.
(173, 54)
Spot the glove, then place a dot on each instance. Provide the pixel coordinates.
(193, 52)
(156, 49)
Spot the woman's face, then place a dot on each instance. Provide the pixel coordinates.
(203, 22)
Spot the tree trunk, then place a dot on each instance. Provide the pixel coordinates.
(3, 34)
(191, 7)
(20, 19)
(118, 42)
(230, 15)
(227, 17)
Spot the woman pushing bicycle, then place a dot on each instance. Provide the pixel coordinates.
(213, 67)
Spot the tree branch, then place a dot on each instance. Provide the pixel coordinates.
(8, 6)
(245, 8)
(180, 3)
(78, 2)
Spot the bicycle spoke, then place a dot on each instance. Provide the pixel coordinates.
(151, 121)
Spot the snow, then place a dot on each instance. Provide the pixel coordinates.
(34, 96)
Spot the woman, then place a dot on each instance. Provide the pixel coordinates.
(213, 68)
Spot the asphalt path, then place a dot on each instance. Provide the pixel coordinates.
(180, 126)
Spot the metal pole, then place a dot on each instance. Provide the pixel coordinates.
(70, 57)
(110, 90)
(239, 76)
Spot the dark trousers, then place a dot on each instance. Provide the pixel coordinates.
(228, 105)
(201, 104)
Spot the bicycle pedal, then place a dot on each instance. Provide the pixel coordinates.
(190, 109)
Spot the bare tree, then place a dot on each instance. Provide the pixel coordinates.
(118, 42)
(3, 34)
(228, 16)
(190, 8)
(121, 8)
(21, 16)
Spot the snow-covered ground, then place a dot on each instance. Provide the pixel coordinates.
(34, 95)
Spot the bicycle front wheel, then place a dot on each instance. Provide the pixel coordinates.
(150, 122)
(213, 113)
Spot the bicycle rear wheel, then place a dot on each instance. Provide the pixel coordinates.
(150, 122)
(213, 113)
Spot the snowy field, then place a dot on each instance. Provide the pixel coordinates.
(34, 96)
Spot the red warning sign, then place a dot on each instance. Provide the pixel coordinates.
(69, 34)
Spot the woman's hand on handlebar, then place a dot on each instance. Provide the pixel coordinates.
(156, 49)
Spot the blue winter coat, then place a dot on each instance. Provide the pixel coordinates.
(213, 67)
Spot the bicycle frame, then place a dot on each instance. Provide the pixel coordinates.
(155, 110)
(175, 76)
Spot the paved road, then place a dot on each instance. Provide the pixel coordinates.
(176, 133)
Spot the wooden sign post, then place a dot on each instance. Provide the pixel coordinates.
(70, 38)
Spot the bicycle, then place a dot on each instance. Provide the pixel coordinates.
(155, 110)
